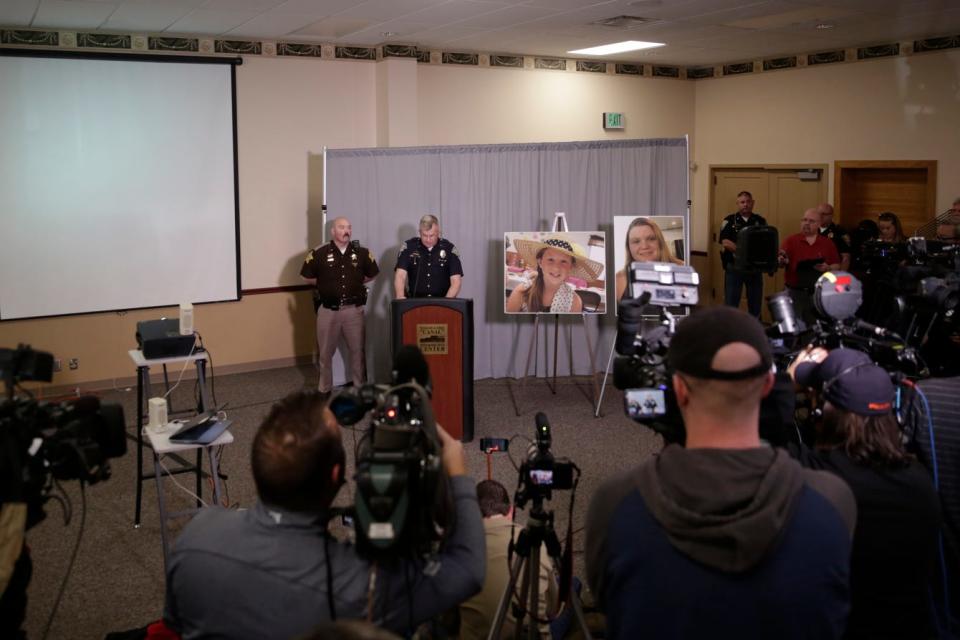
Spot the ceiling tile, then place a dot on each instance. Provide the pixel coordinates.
(240, 5)
(272, 25)
(442, 35)
(18, 13)
(316, 8)
(145, 17)
(335, 27)
(72, 15)
(405, 31)
(507, 17)
(387, 9)
(206, 22)
(454, 11)
(569, 5)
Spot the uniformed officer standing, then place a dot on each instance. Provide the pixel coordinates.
(733, 280)
(428, 266)
(339, 270)
(833, 231)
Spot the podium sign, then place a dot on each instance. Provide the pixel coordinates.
(443, 330)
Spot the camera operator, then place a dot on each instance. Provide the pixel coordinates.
(477, 614)
(898, 512)
(725, 537)
(272, 571)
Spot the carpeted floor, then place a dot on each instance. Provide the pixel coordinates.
(117, 581)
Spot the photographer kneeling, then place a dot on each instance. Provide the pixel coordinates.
(898, 511)
(273, 572)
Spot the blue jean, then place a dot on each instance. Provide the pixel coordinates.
(733, 281)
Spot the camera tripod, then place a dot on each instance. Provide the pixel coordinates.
(537, 532)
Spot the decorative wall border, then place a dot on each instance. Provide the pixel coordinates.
(38, 38)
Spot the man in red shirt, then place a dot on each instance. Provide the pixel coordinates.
(806, 255)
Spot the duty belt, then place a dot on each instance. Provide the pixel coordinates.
(343, 302)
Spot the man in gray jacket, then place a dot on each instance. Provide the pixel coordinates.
(273, 572)
(725, 538)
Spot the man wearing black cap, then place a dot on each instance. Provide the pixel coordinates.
(725, 537)
(898, 510)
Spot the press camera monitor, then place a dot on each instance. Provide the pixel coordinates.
(669, 285)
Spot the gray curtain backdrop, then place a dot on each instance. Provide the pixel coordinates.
(480, 192)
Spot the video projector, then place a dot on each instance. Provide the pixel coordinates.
(162, 339)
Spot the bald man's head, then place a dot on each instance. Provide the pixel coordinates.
(341, 230)
(810, 222)
(722, 360)
(825, 211)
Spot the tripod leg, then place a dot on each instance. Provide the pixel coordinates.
(501, 616)
(533, 582)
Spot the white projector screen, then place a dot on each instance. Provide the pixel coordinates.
(117, 183)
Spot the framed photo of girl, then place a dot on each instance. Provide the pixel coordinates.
(554, 272)
(646, 239)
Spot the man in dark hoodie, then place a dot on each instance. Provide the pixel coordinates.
(725, 538)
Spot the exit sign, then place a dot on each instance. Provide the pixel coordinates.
(613, 120)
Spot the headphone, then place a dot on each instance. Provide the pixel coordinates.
(818, 412)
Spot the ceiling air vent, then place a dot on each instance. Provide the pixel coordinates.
(622, 22)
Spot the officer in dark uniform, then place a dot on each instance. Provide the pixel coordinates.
(339, 270)
(428, 266)
(833, 231)
(733, 280)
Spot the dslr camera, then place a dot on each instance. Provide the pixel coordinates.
(541, 472)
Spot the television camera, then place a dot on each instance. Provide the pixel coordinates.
(659, 293)
(403, 505)
(42, 442)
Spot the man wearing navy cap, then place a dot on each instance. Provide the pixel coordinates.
(724, 537)
(898, 510)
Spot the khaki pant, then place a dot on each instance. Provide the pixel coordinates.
(348, 322)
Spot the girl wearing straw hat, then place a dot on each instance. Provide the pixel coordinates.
(546, 290)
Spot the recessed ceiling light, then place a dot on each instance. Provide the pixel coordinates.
(617, 47)
(389, 34)
(824, 25)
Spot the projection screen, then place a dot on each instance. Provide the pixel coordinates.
(117, 183)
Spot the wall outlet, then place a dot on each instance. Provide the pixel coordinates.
(74, 364)
(57, 365)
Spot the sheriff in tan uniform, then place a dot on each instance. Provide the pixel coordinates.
(339, 270)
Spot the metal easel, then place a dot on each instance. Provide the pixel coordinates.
(559, 225)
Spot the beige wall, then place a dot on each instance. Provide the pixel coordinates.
(890, 109)
(488, 105)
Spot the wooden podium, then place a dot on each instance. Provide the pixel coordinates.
(443, 330)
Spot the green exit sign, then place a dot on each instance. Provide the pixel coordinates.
(613, 120)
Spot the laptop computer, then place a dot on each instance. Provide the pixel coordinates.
(203, 428)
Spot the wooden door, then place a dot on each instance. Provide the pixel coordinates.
(781, 194)
(866, 188)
